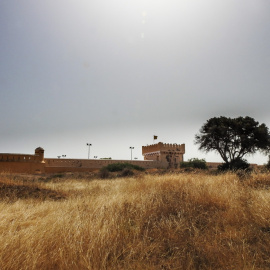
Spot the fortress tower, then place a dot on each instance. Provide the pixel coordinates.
(169, 155)
(39, 152)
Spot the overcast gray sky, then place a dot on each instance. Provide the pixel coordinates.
(114, 73)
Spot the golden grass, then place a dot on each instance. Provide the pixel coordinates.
(170, 221)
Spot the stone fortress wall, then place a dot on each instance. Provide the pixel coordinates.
(23, 163)
(84, 165)
(155, 156)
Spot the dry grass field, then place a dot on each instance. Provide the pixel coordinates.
(148, 221)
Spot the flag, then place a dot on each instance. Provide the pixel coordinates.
(155, 137)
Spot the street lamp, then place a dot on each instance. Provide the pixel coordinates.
(89, 144)
(131, 148)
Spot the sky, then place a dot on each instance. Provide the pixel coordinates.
(114, 73)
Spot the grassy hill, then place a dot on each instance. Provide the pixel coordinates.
(168, 221)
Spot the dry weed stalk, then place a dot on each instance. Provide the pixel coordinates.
(176, 221)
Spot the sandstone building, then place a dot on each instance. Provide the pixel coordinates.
(158, 155)
(169, 155)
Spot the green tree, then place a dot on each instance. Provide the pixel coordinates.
(233, 138)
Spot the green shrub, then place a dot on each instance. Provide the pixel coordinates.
(117, 167)
(235, 165)
(194, 163)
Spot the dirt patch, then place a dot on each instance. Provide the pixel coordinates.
(13, 192)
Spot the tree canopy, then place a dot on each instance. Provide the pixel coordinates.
(233, 138)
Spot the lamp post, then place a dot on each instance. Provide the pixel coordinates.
(131, 148)
(89, 144)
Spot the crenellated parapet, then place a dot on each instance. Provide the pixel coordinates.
(163, 147)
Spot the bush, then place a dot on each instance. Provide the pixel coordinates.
(104, 173)
(194, 163)
(127, 172)
(238, 164)
(117, 167)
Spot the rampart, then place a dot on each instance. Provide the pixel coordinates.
(36, 163)
(23, 163)
(85, 165)
(161, 155)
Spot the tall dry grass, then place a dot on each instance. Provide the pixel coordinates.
(171, 221)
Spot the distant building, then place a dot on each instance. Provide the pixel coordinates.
(169, 155)
(158, 155)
